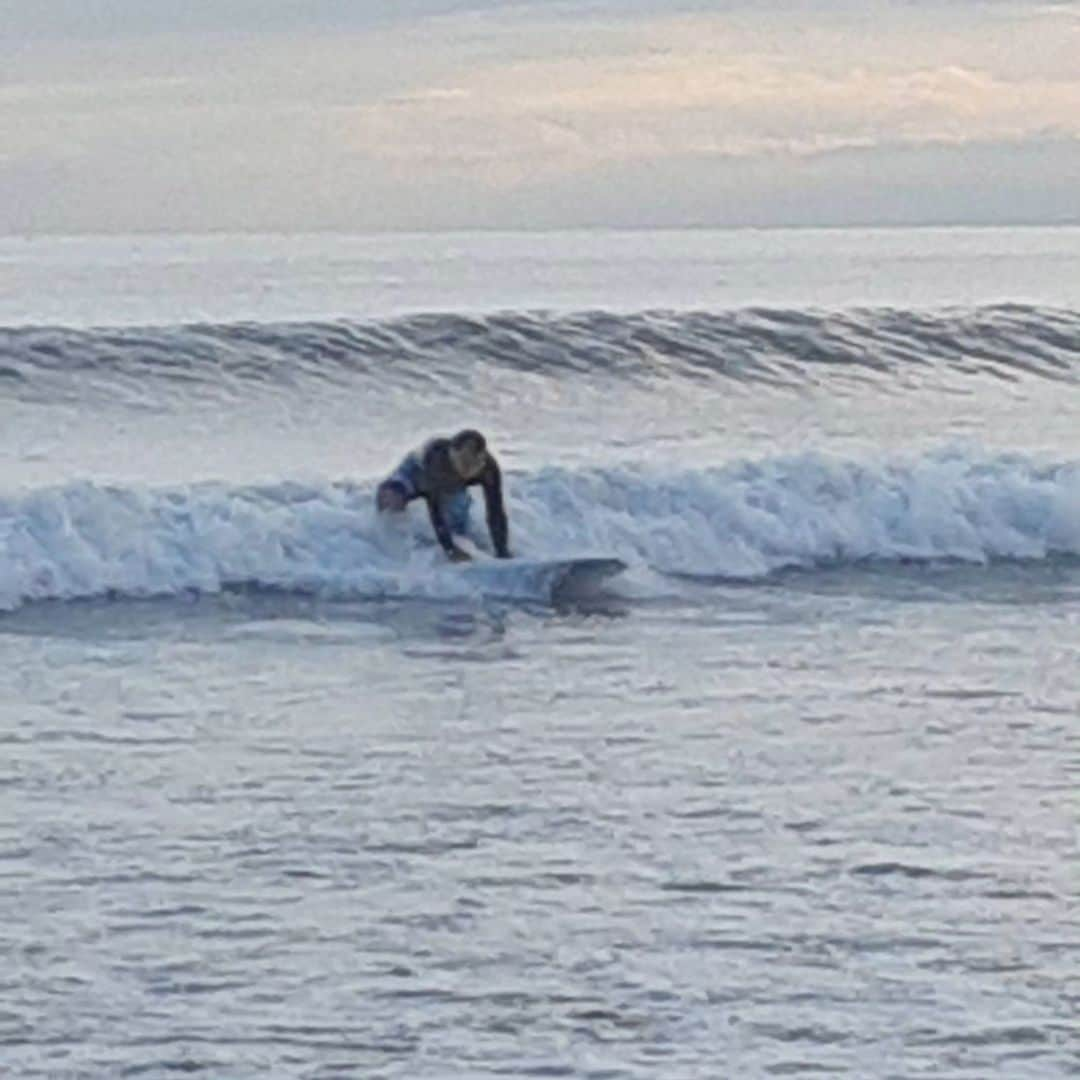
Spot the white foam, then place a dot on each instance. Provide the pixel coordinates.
(742, 520)
(751, 518)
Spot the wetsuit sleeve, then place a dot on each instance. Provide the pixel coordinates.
(438, 523)
(432, 466)
(498, 526)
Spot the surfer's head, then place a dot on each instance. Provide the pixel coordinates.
(468, 453)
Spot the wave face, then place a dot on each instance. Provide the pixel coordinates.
(745, 520)
(770, 345)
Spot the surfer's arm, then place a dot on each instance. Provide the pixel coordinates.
(431, 485)
(442, 530)
(498, 526)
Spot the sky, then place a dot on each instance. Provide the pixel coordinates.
(305, 115)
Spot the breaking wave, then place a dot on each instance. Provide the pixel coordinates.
(743, 520)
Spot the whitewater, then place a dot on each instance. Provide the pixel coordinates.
(743, 521)
(286, 794)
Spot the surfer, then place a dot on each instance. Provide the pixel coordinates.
(440, 473)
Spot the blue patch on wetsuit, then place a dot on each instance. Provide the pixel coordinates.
(455, 508)
(407, 474)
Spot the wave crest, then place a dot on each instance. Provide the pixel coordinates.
(744, 520)
(760, 345)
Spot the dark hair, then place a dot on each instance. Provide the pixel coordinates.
(469, 438)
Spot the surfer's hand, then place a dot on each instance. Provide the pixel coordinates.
(457, 555)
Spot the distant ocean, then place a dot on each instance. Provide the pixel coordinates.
(284, 794)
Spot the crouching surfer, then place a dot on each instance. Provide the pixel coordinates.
(440, 473)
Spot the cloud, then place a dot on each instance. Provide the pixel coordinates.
(547, 112)
(80, 20)
(703, 95)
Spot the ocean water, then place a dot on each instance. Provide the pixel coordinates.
(284, 795)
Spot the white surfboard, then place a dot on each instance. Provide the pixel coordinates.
(540, 579)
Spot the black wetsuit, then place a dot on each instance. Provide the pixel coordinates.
(429, 474)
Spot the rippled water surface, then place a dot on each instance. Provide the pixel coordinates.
(826, 826)
(281, 795)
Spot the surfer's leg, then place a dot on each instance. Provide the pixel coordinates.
(390, 496)
(400, 486)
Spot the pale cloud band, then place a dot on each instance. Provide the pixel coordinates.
(543, 115)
